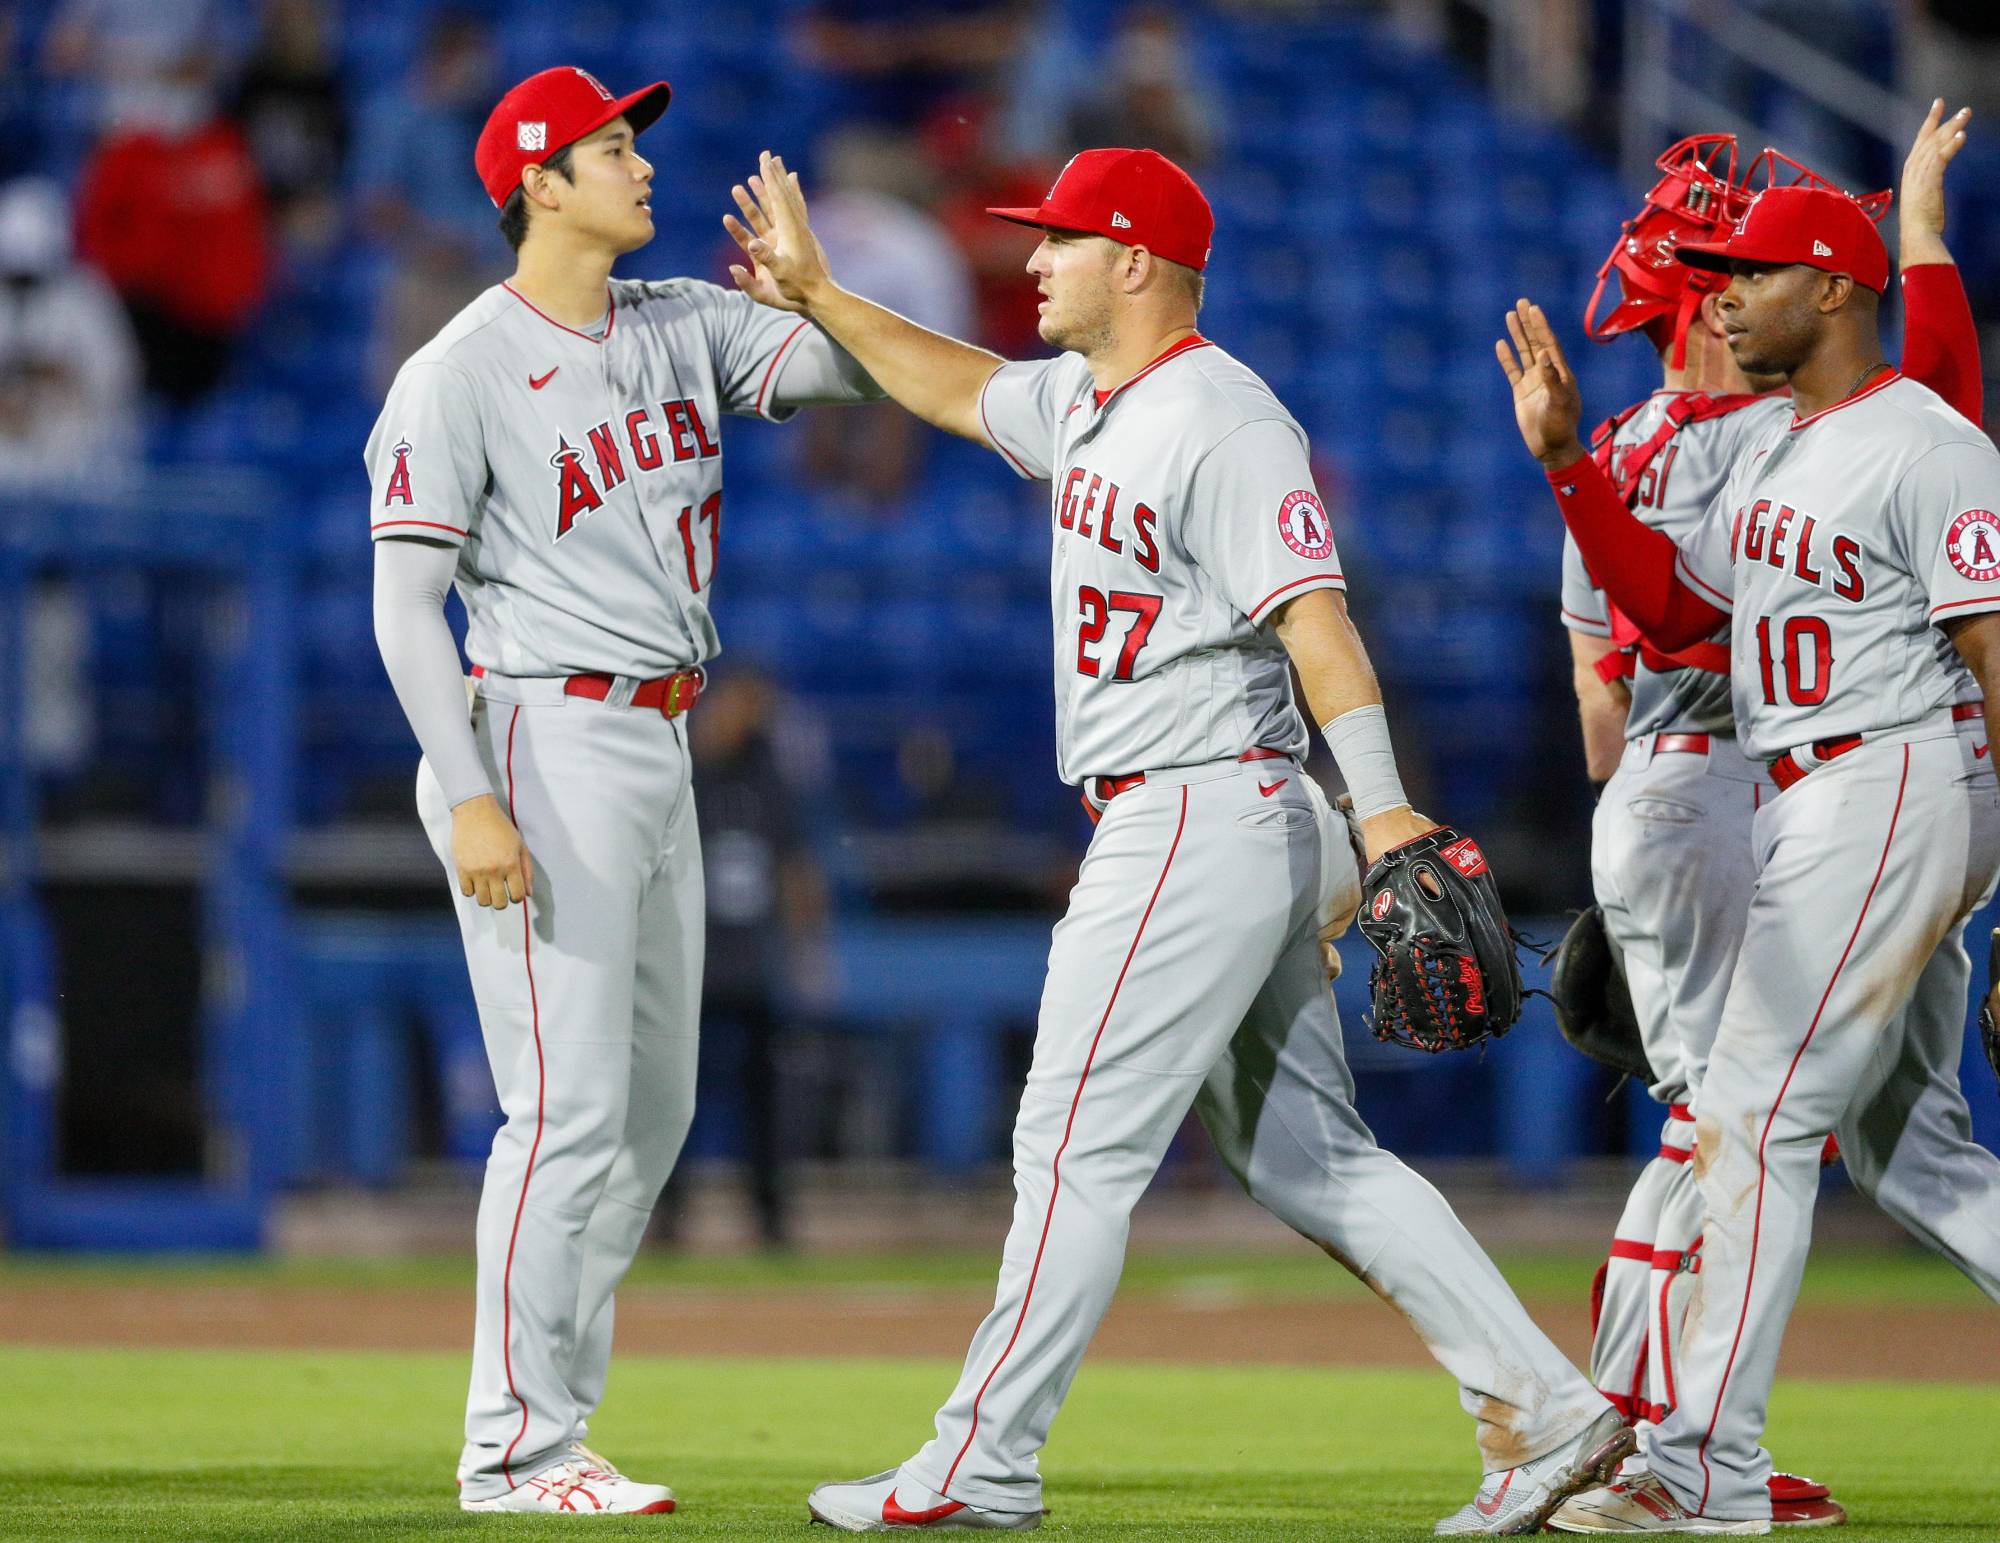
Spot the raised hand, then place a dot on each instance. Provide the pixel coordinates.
(1920, 206)
(1547, 404)
(787, 265)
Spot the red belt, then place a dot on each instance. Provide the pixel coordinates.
(671, 695)
(1108, 788)
(1694, 744)
(1786, 771)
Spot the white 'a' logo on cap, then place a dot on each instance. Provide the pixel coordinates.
(531, 136)
(595, 84)
(1119, 222)
(1821, 249)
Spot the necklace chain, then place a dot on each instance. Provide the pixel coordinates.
(1879, 364)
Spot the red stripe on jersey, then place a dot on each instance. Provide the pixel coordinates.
(610, 314)
(994, 439)
(1317, 578)
(427, 525)
(771, 369)
(1862, 395)
(1702, 587)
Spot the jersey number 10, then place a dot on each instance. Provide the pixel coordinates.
(1802, 634)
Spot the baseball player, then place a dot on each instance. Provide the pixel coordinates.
(1191, 562)
(1854, 553)
(556, 453)
(1674, 821)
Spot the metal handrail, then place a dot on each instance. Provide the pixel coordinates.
(1657, 101)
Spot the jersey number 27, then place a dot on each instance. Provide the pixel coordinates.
(1096, 609)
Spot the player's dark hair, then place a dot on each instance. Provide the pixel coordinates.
(514, 212)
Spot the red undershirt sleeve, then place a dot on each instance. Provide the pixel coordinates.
(1940, 341)
(1633, 562)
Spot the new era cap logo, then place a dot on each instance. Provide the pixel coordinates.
(531, 136)
(1821, 249)
(1119, 222)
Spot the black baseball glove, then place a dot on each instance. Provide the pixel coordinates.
(1447, 977)
(1989, 1033)
(1593, 1001)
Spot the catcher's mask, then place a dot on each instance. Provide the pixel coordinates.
(1696, 199)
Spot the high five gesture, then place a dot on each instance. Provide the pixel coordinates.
(787, 264)
(1547, 404)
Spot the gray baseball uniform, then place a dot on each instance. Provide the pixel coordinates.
(1673, 822)
(1186, 970)
(1840, 544)
(580, 478)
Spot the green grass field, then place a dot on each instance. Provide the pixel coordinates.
(114, 1444)
(197, 1444)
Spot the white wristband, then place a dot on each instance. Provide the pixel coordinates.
(1359, 741)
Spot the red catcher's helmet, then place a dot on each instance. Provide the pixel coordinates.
(1775, 169)
(1696, 199)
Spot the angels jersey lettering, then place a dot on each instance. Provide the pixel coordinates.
(1182, 514)
(582, 476)
(1672, 494)
(1841, 543)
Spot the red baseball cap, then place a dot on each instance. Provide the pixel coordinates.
(1819, 227)
(547, 111)
(1138, 197)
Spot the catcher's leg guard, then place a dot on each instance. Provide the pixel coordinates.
(1625, 1307)
(1670, 1282)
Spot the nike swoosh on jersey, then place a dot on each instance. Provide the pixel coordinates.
(1268, 788)
(896, 1516)
(1979, 752)
(537, 384)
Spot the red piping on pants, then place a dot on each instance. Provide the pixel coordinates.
(1069, 1125)
(541, 1090)
(1757, 1221)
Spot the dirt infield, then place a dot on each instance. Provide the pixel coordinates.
(1945, 1343)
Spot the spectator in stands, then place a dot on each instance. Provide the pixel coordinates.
(766, 910)
(131, 52)
(972, 174)
(69, 370)
(69, 389)
(293, 112)
(422, 199)
(172, 212)
(1144, 88)
(899, 60)
(869, 214)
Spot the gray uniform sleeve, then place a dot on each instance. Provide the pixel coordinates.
(1706, 562)
(1947, 514)
(411, 579)
(769, 364)
(1019, 406)
(1254, 521)
(1583, 606)
(427, 456)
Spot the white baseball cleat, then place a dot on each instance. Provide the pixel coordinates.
(881, 1504)
(1517, 1500)
(1643, 1504)
(580, 1486)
